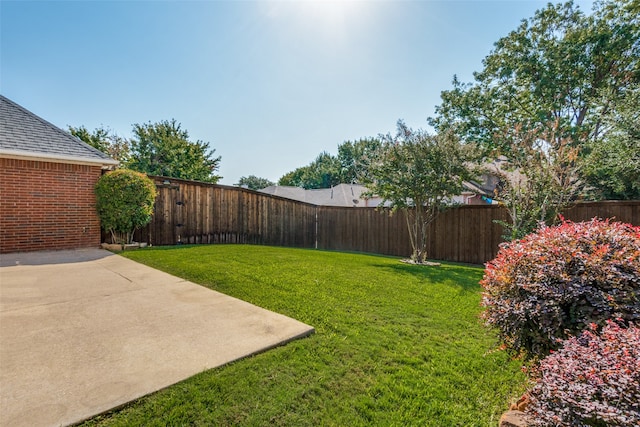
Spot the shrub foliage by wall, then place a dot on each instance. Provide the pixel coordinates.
(124, 201)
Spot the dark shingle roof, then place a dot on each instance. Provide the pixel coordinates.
(22, 133)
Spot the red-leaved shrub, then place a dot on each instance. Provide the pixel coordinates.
(593, 380)
(553, 283)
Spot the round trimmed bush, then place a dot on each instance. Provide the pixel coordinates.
(593, 380)
(552, 284)
(124, 201)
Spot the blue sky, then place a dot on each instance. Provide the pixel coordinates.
(269, 84)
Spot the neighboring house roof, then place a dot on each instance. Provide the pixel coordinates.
(349, 195)
(294, 193)
(23, 135)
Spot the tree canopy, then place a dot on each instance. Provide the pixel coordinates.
(163, 148)
(560, 69)
(323, 172)
(538, 179)
(612, 166)
(349, 166)
(355, 157)
(253, 182)
(550, 99)
(420, 174)
(98, 139)
(104, 140)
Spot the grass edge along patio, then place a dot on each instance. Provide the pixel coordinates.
(395, 344)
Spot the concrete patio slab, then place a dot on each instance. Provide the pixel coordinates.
(82, 332)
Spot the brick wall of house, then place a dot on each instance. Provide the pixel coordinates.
(47, 206)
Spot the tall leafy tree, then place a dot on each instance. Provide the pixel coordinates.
(163, 148)
(354, 158)
(98, 139)
(612, 166)
(253, 182)
(295, 178)
(323, 172)
(537, 183)
(104, 140)
(349, 166)
(545, 93)
(560, 68)
(419, 174)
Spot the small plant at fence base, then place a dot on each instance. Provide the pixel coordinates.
(124, 201)
(552, 284)
(593, 380)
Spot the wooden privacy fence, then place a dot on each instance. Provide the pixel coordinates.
(463, 234)
(193, 212)
(466, 233)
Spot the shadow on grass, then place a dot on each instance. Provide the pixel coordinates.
(464, 276)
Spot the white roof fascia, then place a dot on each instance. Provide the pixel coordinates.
(56, 158)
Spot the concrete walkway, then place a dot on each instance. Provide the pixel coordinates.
(82, 332)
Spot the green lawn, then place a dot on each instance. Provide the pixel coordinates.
(395, 344)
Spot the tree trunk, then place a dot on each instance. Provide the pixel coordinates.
(417, 227)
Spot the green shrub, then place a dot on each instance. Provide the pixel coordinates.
(124, 201)
(552, 284)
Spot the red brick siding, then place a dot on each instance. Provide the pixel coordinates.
(47, 206)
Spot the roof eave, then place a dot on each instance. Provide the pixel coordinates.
(57, 158)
